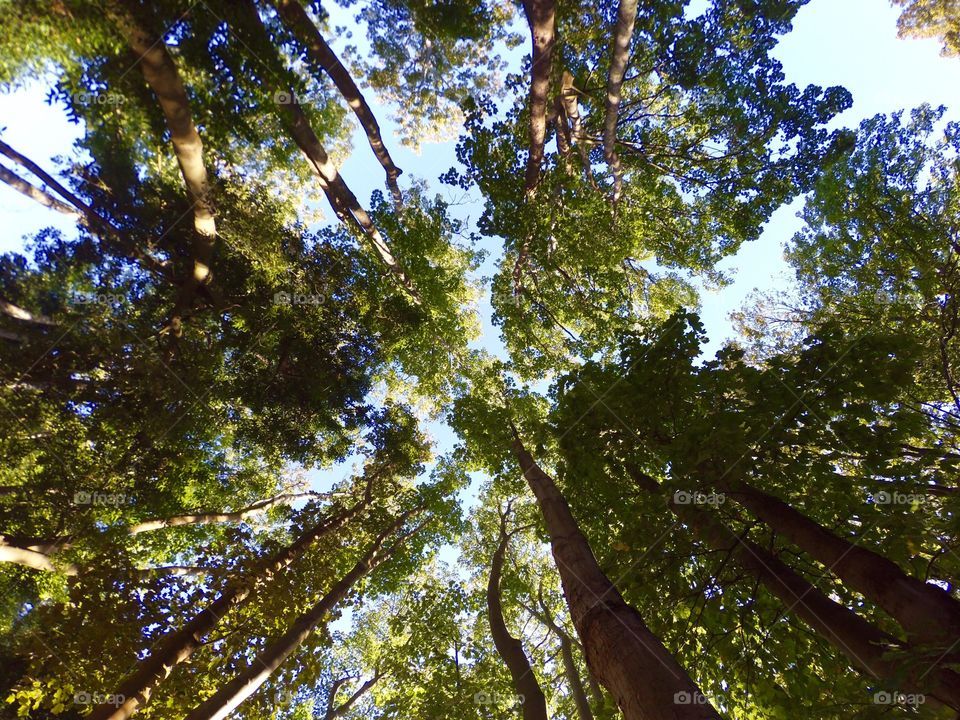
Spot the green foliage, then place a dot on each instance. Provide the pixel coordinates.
(301, 376)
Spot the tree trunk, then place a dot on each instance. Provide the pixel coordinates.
(509, 648)
(927, 613)
(334, 710)
(861, 642)
(47, 546)
(18, 313)
(35, 193)
(541, 17)
(179, 645)
(341, 197)
(626, 657)
(568, 97)
(229, 697)
(86, 215)
(162, 76)
(44, 176)
(300, 24)
(619, 55)
(570, 669)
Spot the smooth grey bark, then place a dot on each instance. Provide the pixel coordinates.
(230, 696)
(570, 669)
(33, 559)
(161, 74)
(342, 199)
(300, 24)
(179, 645)
(619, 55)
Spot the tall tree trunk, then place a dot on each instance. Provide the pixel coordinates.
(927, 613)
(179, 645)
(568, 97)
(619, 55)
(162, 76)
(300, 24)
(48, 546)
(570, 669)
(35, 193)
(334, 710)
(541, 17)
(85, 214)
(341, 197)
(861, 642)
(229, 697)
(18, 313)
(626, 657)
(43, 175)
(509, 648)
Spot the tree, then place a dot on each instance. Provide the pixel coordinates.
(617, 526)
(931, 18)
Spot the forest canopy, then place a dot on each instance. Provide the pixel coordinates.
(263, 460)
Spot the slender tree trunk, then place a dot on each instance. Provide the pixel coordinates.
(162, 76)
(229, 697)
(334, 710)
(927, 613)
(341, 197)
(564, 139)
(619, 55)
(509, 648)
(300, 24)
(47, 546)
(570, 669)
(179, 645)
(18, 313)
(568, 96)
(541, 17)
(626, 657)
(861, 642)
(85, 215)
(43, 175)
(35, 193)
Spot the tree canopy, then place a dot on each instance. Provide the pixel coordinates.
(260, 460)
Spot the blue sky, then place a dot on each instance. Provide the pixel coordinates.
(835, 42)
